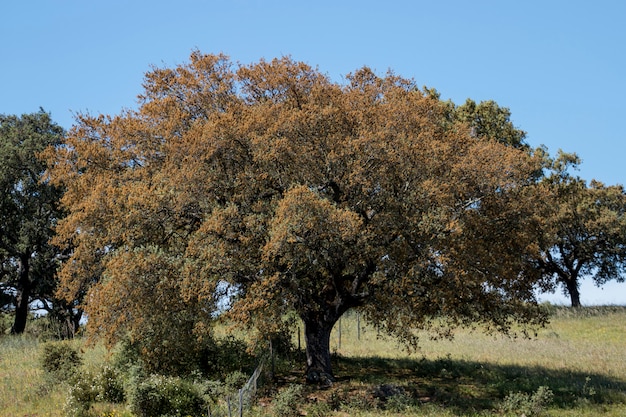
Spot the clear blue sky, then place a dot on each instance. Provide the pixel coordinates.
(560, 66)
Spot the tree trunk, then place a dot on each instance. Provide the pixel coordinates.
(573, 291)
(317, 338)
(23, 296)
(76, 319)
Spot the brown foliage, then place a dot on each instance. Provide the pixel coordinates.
(296, 193)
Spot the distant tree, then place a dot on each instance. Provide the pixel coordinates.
(291, 193)
(585, 229)
(29, 209)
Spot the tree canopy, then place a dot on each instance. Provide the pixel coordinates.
(294, 193)
(29, 209)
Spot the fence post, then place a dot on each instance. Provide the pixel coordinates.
(358, 326)
(271, 359)
(339, 335)
(241, 402)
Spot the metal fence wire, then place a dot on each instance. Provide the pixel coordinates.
(243, 399)
(248, 391)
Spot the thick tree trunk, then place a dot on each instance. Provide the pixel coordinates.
(573, 291)
(69, 321)
(23, 297)
(317, 338)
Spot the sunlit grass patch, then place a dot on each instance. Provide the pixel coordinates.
(22, 387)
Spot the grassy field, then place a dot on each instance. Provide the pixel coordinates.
(579, 356)
(576, 366)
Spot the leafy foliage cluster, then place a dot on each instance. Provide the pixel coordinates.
(63, 364)
(530, 405)
(167, 397)
(287, 402)
(88, 388)
(212, 358)
(60, 360)
(129, 379)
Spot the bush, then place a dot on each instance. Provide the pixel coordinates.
(5, 323)
(399, 402)
(528, 405)
(166, 397)
(235, 380)
(225, 356)
(318, 409)
(60, 360)
(213, 390)
(81, 396)
(287, 401)
(212, 358)
(108, 385)
(88, 388)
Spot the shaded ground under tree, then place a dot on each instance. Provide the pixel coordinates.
(458, 386)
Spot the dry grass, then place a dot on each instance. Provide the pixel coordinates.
(23, 391)
(586, 342)
(580, 356)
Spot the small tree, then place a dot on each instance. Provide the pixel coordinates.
(585, 229)
(29, 209)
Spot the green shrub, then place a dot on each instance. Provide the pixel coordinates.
(393, 397)
(528, 405)
(60, 360)
(399, 402)
(212, 390)
(318, 409)
(81, 395)
(89, 387)
(225, 356)
(166, 397)
(235, 380)
(212, 358)
(109, 385)
(5, 323)
(286, 402)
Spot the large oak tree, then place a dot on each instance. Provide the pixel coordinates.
(290, 192)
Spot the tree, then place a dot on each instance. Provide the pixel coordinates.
(292, 193)
(585, 229)
(29, 209)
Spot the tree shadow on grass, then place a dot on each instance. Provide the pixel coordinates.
(462, 385)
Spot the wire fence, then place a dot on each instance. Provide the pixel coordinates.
(243, 399)
(235, 404)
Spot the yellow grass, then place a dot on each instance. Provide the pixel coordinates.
(22, 390)
(587, 348)
(594, 343)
